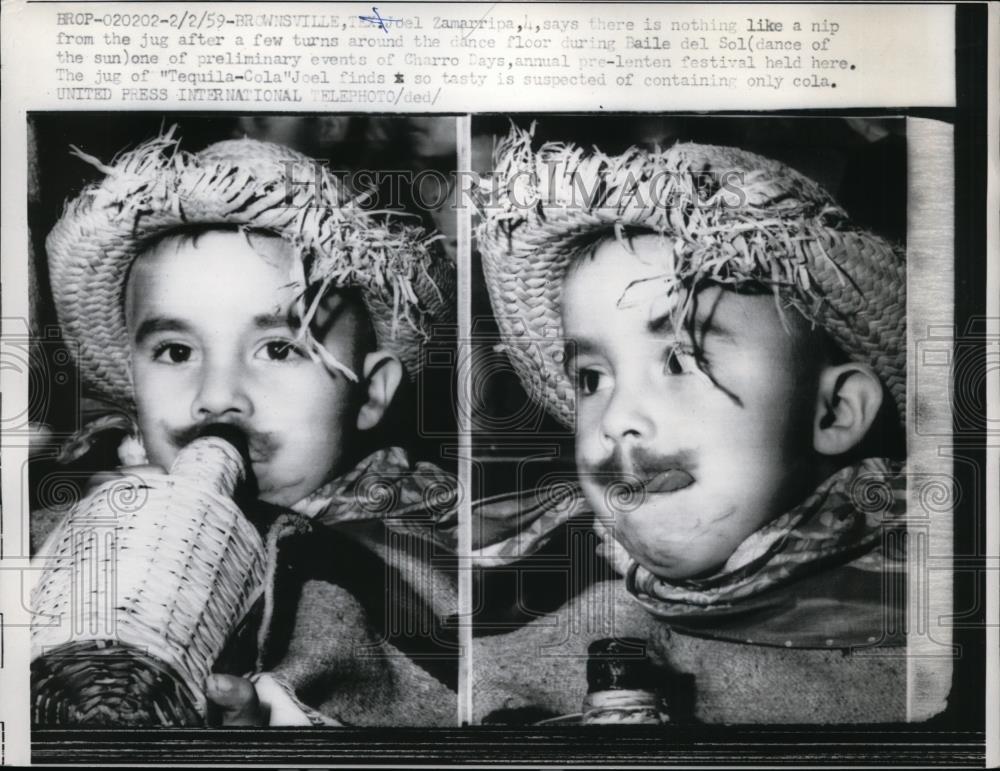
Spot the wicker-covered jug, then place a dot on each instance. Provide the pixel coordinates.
(143, 585)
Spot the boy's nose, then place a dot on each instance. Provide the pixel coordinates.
(221, 393)
(625, 417)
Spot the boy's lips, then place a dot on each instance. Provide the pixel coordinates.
(646, 471)
(668, 481)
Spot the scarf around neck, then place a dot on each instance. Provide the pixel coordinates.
(404, 512)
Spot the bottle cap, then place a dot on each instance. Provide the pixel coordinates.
(618, 664)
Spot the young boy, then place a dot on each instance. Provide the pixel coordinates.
(729, 351)
(243, 286)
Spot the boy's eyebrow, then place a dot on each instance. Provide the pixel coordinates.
(159, 324)
(703, 326)
(276, 320)
(263, 321)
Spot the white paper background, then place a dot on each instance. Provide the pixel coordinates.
(903, 55)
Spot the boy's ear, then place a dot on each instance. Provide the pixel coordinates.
(848, 400)
(382, 374)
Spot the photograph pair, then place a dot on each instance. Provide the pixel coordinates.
(609, 424)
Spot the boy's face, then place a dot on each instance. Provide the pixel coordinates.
(707, 463)
(211, 341)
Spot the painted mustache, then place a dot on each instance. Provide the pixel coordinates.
(646, 471)
(259, 445)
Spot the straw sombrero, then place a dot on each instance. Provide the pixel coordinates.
(733, 218)
(406, 282)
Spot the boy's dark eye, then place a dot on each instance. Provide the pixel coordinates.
(175, 353)
(588, 381)
(280, 350)
(673, 365)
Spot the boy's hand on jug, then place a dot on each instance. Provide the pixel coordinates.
(236, 700)
(262, 701)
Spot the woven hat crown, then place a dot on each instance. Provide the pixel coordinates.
(406, 282)
(731, 217)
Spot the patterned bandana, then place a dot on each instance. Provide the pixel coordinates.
(386, 486)
(828, 573)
